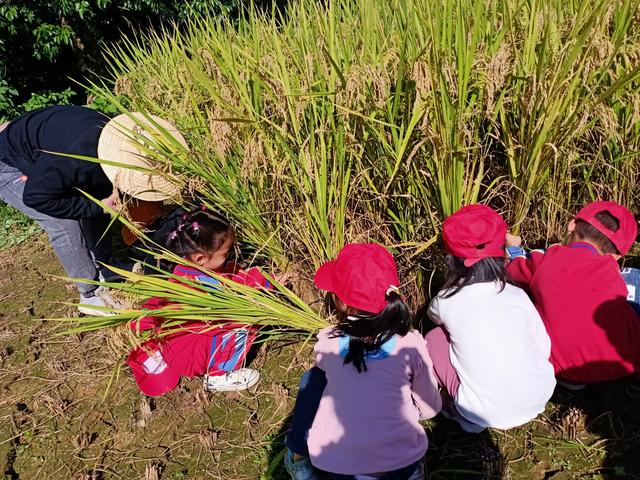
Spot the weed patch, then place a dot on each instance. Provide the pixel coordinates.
(15, 227)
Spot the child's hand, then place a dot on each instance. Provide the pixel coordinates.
(286, 277)
(513, 240)
(110, 201)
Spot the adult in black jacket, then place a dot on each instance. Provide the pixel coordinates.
(50, 188)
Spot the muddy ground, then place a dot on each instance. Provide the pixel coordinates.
(68, 412)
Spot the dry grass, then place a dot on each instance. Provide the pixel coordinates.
(56, 421)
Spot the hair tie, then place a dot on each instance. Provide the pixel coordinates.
(392, 288)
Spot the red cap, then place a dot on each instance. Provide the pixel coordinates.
(626, 234)
(360, 276)
(474, 232)
(161, 381)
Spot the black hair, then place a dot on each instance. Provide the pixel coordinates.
(199, 230)
(586, 231)
(369, 331)
(491, 269)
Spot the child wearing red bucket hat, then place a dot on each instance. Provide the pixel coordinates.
(196, 348)
(357, 411)
(490, 350)
(582, 297)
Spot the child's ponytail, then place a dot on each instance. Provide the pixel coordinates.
(199, 230)
(368, 332)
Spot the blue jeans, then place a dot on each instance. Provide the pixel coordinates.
(631, 277)
(312, 385)
(76, 243)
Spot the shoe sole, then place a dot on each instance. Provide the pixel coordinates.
(574, 387)
(94, 313)
(233, 389)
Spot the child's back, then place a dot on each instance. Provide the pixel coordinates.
(499, 349)
(368, 422)
(357, 411)
(491, 351)
(581, 297)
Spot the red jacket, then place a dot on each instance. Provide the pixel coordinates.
(195, 348)
(581, 297)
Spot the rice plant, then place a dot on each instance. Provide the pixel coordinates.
(359, 120)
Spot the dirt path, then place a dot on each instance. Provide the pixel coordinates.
(60, 420)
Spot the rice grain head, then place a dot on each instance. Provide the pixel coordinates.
(498, 69)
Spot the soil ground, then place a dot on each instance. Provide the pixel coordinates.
(68, 412)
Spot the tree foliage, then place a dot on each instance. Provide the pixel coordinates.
(44, 45)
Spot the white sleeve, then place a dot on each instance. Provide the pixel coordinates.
(539, 334)
(434, 311)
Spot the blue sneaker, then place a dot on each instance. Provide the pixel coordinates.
(300, 470)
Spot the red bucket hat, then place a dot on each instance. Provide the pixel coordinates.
(361, 276)
(474, 232)
(626, 234)
(153, 376)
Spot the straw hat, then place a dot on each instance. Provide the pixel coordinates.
(118, 144)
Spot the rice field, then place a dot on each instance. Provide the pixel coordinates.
(359, 120)
(327, 123)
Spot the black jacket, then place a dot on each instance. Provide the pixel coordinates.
(55, 183)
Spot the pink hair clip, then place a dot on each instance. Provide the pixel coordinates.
(195, 226)
(173, 235)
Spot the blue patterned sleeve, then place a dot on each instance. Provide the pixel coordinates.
(208, 281)
(516, 251)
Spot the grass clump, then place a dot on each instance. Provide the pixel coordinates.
(15, 227)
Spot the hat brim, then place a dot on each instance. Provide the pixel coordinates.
(116, 144)
(150, 384)
(323, 278)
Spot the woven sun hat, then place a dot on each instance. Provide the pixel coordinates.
(120, 143)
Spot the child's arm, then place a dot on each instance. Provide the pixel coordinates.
(424, 385)
(149, 322)
(433, 312)
(521, 266)
(252, 278)
(322, 347)
(539, 334)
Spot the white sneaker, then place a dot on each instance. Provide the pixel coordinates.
(105, 294)
(100, 298)
(233, 381)
(87, 302)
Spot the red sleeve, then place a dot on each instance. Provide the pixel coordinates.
(522, 269)
(149, 322)
(252, 278)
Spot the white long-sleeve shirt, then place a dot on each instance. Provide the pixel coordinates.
(500, 350)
